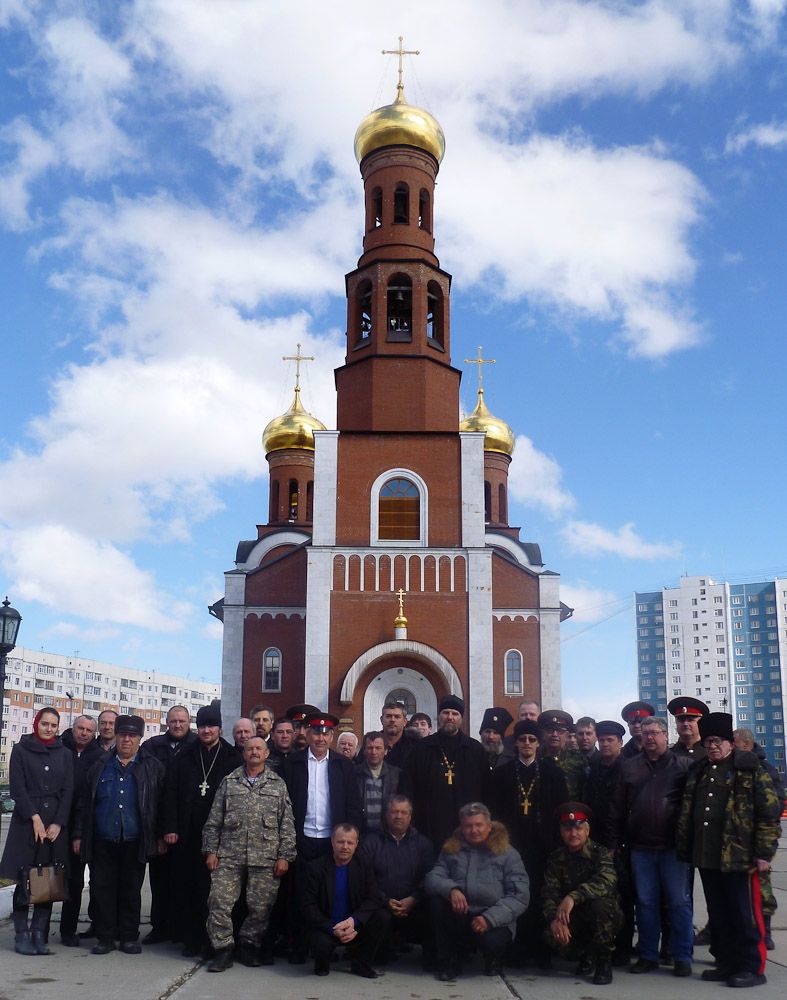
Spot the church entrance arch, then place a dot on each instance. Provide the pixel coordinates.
(398, 683)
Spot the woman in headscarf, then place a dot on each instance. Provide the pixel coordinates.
(41, 774)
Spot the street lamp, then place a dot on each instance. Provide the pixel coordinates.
(9, 629)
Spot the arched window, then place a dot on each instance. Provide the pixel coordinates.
(377, 209)
(401, 203)
(271, 669)
(310, 501)
(487, 502)
(364, 298)
(513, 672)
(400, 308)
(425, 210)
(274, 506)
(399, 510)
(435, 322)
(401, 696)
(293, 500)
(502, 504)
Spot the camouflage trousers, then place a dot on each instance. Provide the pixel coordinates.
(226, 886)
(594, 926)
(768, 898)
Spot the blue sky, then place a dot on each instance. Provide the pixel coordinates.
(179, 202)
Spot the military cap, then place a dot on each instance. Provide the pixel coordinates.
(209, 715)
(573, 813)
(636, 711)
(496, 718)
(322, 722)
(716, 724)
(130, 724)
(451, 701)
(555, 717)
(526, 727)
(691, 707)
(607, 727)
(297, 713)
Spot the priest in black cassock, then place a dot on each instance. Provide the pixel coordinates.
(447, 770)
(525, 794)
(190, 785)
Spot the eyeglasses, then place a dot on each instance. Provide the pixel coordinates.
(713, 741)
(527, 739)
(555, 729)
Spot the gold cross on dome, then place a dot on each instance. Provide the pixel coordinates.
(297, 358)
(401, 51)
(480, 361)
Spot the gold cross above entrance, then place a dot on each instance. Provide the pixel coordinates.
(401, 51)
(480, 361)
(297, 358)
(400, 594)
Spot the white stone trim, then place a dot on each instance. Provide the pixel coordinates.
(549, 635)
(404, 647)
(269, 542)
(513, 548)
(326, 463)
(318, 627)
(274, 612)
(500, 613)
(472, 470)
(479, 634)
(374, 512)
(393, 554)
(232, 646)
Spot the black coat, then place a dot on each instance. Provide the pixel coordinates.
(399, 866)
(82, 763)
(644, 810)
(184, 809)
(317, 888)
(42, 781)
(149, 776)
(598, 791)
(342, 786)
(538, 831)
(162, 749)
(436, 804)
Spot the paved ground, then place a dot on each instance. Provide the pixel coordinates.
(159, 973)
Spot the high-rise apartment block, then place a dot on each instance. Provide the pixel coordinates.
(75, 685)
(725, 643)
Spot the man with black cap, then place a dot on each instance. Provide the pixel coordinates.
(116, 833)
(190, 786)
(525, 792)
(555, 724)
(729, 828)
(580, 900)
(633, 715)
(447, 770)
(298, 714)
(687, 713)
(492, 730)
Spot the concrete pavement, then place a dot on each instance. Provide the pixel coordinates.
(160, 973)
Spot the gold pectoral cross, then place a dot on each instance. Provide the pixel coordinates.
(449, 775)
(526, 806)
(203, 789)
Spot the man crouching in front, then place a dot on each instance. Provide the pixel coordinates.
(477, 888)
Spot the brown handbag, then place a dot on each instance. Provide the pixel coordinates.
(43, 883)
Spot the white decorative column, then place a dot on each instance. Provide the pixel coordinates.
(472, 456)
(326, 451)
(549, 634)
(232, 647)
(480, 695)
(318, 627)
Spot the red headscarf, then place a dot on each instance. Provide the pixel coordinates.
(37, 719)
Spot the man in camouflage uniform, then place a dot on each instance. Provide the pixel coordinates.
(728, 827)
(555, 725)
(250, 832)
(580, 897)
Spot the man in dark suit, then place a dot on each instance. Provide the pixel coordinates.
(341, 904)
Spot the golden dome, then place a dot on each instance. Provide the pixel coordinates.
(399, 124)
(499, 436)
(293, 429)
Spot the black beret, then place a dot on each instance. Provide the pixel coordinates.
(607, 727)
(451, 701)
(555, 717)
(130, 724)
(498, 719)
(716, 724)
(209, 715)
(527, 727)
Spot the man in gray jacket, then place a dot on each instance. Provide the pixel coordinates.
(477, 888)
(250, 832)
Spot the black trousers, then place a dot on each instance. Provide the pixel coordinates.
(364, 947)
(192, 878)
(163, 893)
(454, 937)
(529, 945)
(309, 849)
(116, 878)
(69, 915)
(736, 923)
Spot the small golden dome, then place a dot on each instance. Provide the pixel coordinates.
(293, 429)
(499, 436)
(399, 124)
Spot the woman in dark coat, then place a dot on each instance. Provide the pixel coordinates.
(41, 774)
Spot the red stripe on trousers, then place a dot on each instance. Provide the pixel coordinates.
(755, 896)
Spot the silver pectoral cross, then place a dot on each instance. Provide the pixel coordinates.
(203, 789)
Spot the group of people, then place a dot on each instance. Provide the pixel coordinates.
(554, 838)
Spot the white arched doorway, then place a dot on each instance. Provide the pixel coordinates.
(398, 680)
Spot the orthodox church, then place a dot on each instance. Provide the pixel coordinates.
(387, 568)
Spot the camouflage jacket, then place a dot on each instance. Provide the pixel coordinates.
(751, 818)
(575, 768)
(583, 875)
(250, 824)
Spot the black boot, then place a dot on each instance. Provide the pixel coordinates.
(770, 946)
(22, 943)
(39, 929)
(222, 960)
(603, 973)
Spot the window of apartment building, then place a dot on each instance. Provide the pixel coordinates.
(720, 649)
(695, 628)
(741, 690)
(642, 607)
(718, 614)
(674, 628)
(659, 656)
(753, 612)
(771, 609)
(676, 653)
(722, 690)
(643, 631)
(694, 602)
(770, 623)
(717, 600)
(737, 613)
(754, 637)
(673, 616)
(737, 624)
(676, 666)
(736, 600)
(696, 640)
(674, 604)
(675, 642)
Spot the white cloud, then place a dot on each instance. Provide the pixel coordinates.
(34, 155)
(590, 604)
(772, 135)
(592, 539)
(535, 479)
(77, 575)
(83, 633)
